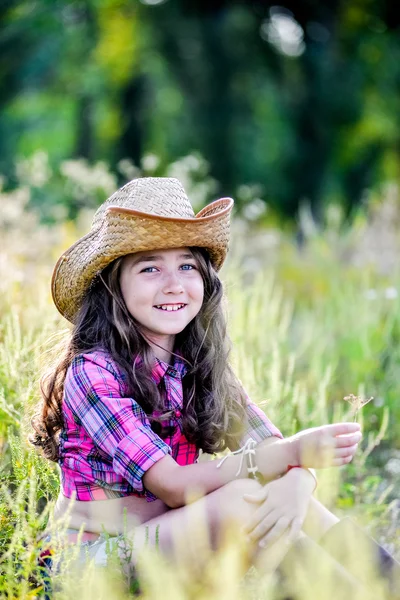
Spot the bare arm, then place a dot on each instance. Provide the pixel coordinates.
(173, 483)
(329, 445)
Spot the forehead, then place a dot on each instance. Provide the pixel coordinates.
(162, 255)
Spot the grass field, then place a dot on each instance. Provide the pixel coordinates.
(311, 321)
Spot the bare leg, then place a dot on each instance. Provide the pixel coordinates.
(205, 521)
(185, 532)
(209, 517)
(351, 546)
(188, 534)
(319, 520)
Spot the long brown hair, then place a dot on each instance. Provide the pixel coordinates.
(213, 399)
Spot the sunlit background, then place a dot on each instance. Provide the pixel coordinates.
(291, 109)
(290, 104)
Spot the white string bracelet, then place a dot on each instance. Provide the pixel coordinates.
(248, 450)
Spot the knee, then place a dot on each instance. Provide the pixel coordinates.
(228, 502)
(238, 487)
(227, 507)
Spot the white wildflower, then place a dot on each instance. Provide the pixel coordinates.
(391, 293)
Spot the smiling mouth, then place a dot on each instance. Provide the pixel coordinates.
(170, 307)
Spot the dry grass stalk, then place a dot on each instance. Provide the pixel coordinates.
(357, 402)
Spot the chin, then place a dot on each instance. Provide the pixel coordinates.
(171, 331)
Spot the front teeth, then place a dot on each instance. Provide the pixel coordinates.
(170, 308)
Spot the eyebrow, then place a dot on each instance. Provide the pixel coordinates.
(153, 257)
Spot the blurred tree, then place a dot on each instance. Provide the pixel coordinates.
(301, 97)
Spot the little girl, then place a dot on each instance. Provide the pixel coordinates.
(145, 384)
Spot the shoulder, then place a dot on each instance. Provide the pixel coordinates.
(94, 369)
(99, 359)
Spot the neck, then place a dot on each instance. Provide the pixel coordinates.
(162, 347)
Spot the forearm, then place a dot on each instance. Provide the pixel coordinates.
(274, 460)
(273, 457)
(205, 477)
(174, 484)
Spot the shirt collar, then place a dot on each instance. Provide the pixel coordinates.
(161, 368)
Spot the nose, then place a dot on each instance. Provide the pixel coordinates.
(172, 283)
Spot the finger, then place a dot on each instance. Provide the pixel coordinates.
(343, 452)
(260, 515)
(294, 530)
(348, 440)
(258, 497)
(272, 555)
(338, 462)
(275, 532)
(335, 429)
(262, 526)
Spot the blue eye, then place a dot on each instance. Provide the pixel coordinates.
(188, 265)
(148, 270)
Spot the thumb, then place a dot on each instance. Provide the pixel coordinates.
(257, 497)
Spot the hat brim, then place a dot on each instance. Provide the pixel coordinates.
(124, 231)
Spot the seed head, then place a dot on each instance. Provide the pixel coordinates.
(357, 402)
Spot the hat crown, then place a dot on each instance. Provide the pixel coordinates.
(161, 196)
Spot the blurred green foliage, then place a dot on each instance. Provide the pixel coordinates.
(299, 98)
(311, 322)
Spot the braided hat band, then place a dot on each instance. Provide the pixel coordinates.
(149, 213)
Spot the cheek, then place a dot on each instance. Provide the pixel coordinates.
(198, 290)
(125, 290)
(130, 293)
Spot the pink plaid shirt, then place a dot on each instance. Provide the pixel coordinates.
(107, 443)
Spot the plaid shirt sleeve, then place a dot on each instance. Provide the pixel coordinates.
(258, 426)
(117, 425)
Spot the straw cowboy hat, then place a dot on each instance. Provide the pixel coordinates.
(146, 214)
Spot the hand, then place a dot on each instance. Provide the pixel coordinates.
(326, 446)
(283, 505)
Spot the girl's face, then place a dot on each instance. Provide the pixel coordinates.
(163, 290)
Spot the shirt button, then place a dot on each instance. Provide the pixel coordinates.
(178, 413)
